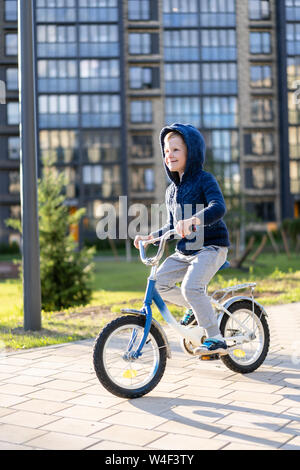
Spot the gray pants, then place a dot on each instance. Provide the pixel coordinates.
(195, 272)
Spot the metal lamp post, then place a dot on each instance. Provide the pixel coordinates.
(28, 168)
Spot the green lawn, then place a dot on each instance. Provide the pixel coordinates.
(119, 285)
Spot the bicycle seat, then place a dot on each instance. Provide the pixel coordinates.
(225, 265)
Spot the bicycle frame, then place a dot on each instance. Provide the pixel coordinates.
(192, 334)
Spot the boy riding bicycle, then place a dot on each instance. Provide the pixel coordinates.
(183, 152)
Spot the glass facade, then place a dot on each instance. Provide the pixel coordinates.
(200, 52)
(78, 82)
(292, 9)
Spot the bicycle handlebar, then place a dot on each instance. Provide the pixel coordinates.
(155, 259)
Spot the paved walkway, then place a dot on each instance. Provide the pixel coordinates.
(51, 399)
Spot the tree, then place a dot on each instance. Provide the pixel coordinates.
(65, 270)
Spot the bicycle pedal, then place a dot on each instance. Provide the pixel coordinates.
(209, 357)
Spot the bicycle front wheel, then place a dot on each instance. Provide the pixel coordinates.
(129, 378)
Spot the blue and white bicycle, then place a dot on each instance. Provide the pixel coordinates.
(130, 353)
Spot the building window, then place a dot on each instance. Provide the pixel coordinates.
(99, 75)
(110, 185)
(264, 211)
(60, 146)
(217, 13)
(100, 110)
(259, 143)
(14, 182)
(292, 8)
(56, 11)
(293, 109)
(58, 76)
(293, 38)
(12, 79)
(143, 43)
(95, 10)
(220, 112)
(58, 110)
(260, 177)
(260, 43)
(182, 79)
(11, 10)
(218, 44)
(11, 44)
(141, 111)
(181, 44)
(13, 148)
(261, 76)
(228, 176)
(138, 9)
(221, 146)
(262, 109)
(142, 179)
(141, 146)
(183, 109)
(101, 146)
(98, 40)
(56, 41)
(92, 174)
(13, 113)
(180, 14)
(293, 71)
(219, 78)
(295, 176)
(294, 142)
(259, 9)
(143, 77)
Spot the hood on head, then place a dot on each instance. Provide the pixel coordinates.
(195, 149)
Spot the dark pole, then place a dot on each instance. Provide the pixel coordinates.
(28, 169)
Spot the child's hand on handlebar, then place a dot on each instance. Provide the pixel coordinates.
(186, 226)
(143, 238)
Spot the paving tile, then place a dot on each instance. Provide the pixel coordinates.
(244, 446)
(28, 419)
(96, 400)
(9, 446)
(293, 444)
(254, 397)
(253, 420)
(53, 395)
(204, 391)
(182, 442)
(189, 428)
(128, 435)
(75, 376)
(67, 385)
(27, 380)
(255, 436)
(15, 389)
(39, 372)
(139, 420)
(110, 445)
(10, 400)
(255, 387)
(18, 434)
(41, 406)
(77, 427)
(86, 412)
(60, 441)
(5, 411)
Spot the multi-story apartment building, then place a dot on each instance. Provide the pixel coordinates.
(111, 74)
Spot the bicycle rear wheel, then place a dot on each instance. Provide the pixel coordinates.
(247, 357)
(129, 378)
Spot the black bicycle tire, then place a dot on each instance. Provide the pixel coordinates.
(227, 360)
(99, 344)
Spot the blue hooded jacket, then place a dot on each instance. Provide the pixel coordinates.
(196, 187)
